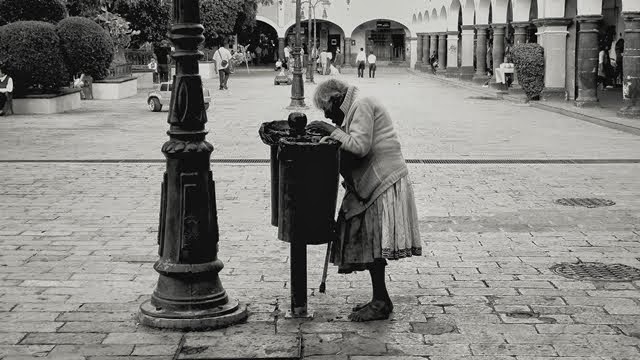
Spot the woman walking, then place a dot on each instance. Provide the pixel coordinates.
(378, 220)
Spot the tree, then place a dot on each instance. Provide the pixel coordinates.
(153, 20)
(227, 17)
(50, 11)
(86, 46)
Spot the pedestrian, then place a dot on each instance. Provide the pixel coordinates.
(378, 219)
(327, 63)
(619, 58)
(372, 64)
(604, 63)
(339, 60)
(433, 61)
(360, 60)
(323, 62)
(258, 51)
(222, 58)
(6, 92)
(287, 55)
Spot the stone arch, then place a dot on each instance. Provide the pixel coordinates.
(390, 44)
(415, 19)
(454, 11)
(420, 18)
(483, 7)
(443, 18)
(521, 9)
(499, 11)
(426, 16)
(280, 31)
(468, 12)
(401, 22)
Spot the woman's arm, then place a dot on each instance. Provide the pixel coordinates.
(358, 140)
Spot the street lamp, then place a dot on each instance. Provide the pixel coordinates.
(311, 42)
(297, 84)
(188, 294)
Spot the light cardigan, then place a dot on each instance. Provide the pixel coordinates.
(377, 162)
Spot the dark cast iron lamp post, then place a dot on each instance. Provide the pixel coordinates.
(189, 294)
(297, 85)
(312, 43)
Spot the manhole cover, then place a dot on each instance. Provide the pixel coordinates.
(597, 271)
(586, 202)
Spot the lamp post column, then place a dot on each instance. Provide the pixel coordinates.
(309, 48)
(631, 66)
(297, 85)
(189, 294)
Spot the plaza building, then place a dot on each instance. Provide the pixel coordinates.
(470, 37)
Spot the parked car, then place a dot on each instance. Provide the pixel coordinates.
(161, 96)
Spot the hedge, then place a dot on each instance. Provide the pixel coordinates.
(529, 65)
(33, 10)
(86, 46)
(30, 51)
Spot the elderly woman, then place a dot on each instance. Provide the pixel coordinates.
(378, 217)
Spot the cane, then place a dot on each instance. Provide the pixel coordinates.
(323, 285)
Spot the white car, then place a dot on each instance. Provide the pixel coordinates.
(160, 96)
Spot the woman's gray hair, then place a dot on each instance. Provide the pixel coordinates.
(328, 90)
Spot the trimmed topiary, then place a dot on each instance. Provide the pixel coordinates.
(529, 65)
(33, 10)
(86, 46)
(30, 50)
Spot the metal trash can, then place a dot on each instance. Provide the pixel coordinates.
(271, 133)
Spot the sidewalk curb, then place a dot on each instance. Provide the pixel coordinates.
(538, 105)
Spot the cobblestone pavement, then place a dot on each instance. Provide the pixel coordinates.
(78, 240)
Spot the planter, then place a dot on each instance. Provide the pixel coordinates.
(144, 77)
(115, 89)
(67, 100)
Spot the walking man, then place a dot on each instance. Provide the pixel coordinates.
(222, 57)
(6, 91)
(372, 64)
(360, 59)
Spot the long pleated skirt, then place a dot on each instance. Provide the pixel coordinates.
(388, 229)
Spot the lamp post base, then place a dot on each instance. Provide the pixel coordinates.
(297, 104)
(306, 314)
(218, 317)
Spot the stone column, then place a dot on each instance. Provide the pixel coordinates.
(466, 69)
(412, 45)
(347, 51)
(498, 51)
(452, 54)
(519, 37)
(419, 52)
(442, 53)
(587, 60)
(281, 48)
(481, 55)
(426, 52)
(433, 44)
(631, 66)
(553, 38)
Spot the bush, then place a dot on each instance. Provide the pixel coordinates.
(87, 48)
(31, 53)
(529, 64)
(33, 10)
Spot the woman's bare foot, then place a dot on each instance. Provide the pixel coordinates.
(359, 307)
(376, 310)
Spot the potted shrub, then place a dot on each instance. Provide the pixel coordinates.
(529, 66)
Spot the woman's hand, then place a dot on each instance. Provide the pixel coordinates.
(321, 127)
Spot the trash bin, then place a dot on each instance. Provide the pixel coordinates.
(308, 189)
(271, 133)
(304, 180)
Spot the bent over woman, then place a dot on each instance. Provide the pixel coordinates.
(378, 218)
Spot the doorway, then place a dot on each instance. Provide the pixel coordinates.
(334, 43)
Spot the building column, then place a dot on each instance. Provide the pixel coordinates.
(498, 51)
(587, 60)
(481, 55)
(433, 44)
(426, 52)
(552, 36)
(442, 53)
(281, 48)
(631, 66)
(419, 52)
(412, 46)
(466, 69)
(452, 55)
(347, 52)
(519, 37)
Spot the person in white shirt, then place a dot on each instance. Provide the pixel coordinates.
(6, 90)
(360, 60)
(323, 62)
(372, 65)
(287, 55)
(327, 70)
(222, 57)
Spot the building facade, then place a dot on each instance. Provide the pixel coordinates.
(470, 36)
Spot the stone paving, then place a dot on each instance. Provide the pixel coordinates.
(78, 239)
